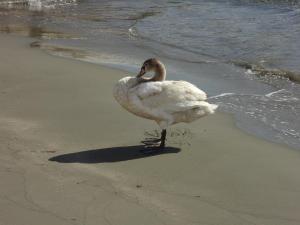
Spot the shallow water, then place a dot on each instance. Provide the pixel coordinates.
(247, 48)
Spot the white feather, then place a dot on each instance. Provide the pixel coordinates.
(166, 102)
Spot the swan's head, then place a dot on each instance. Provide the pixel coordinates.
(149, 65)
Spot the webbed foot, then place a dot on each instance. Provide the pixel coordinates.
(154, 145)
(151, 141)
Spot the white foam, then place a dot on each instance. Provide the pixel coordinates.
(285, 96)
(274, 92)
(221, 95)
(249, 72)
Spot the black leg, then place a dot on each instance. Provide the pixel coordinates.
(163, 138)
(151, 147)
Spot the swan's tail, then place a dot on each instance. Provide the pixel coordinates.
(206, 108)
(194, 110)
(201, 108)
(212, 108)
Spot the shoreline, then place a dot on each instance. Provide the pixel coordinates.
(82, 55)
(242, 122)
(67, 155)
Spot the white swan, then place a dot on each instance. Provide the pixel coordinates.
(166, 102)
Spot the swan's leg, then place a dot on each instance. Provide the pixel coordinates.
(154, 148)
(156, 142)
(155, 145)
(163, 138)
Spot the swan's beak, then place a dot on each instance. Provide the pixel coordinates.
(142, 72)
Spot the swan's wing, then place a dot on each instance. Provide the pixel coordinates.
(188, 91)
(146, 90)
(168, 96)
(171, 90)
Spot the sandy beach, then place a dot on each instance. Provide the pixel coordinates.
(70, 155)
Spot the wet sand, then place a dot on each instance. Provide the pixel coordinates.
(70, 155)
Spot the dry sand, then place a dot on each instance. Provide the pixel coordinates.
(69, 155)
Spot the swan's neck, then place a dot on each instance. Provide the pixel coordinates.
(159, 74)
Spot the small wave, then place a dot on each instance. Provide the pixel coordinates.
(142, 15)
(173, 51)
(274, 92)
(103, 58)
(35, 5)
(282, 95)
(34, 31)
(261, 71)
(274, 116)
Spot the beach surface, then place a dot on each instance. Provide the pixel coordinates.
(70, 155)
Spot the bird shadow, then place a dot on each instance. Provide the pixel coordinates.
(110, 155)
